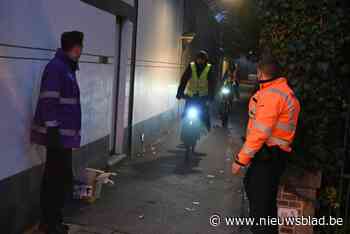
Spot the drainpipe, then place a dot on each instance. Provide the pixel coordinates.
(132, 78)
(119, 20)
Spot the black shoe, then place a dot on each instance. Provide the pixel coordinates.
(65, 226)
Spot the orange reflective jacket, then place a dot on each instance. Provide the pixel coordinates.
(273, 117)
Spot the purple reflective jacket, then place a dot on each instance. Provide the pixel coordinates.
(59, 103)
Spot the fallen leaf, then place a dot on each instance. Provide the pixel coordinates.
(190, 209)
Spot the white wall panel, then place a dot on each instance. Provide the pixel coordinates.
(158, 54)
(40, 23)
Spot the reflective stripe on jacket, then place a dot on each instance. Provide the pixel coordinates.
(273, 117)
(59, 103)
(198, 84)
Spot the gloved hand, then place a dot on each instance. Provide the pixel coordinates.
(53, 138)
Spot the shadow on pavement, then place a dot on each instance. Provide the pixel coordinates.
(170, 162)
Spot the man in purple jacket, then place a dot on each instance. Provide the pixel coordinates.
(56, 125)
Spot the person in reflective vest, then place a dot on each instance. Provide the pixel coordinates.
(198, 81)
(273, 117)
(56, 125)
(232, 83)
(198, 84)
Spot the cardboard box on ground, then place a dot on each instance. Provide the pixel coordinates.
(88, 184)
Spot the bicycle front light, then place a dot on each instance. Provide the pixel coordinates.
(225, 91)
(192, 113)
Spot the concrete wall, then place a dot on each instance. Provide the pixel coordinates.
(158, 67)
(158, 57)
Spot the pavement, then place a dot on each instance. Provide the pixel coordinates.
(159, 193)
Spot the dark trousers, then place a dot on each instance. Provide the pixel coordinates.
(261, 185)
(236, 91)
(56, 184)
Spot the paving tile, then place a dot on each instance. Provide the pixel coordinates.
(80, 229)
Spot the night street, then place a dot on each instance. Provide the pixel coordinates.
(175, 117)
(161, 193)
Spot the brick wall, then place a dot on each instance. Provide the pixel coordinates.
(295, 198)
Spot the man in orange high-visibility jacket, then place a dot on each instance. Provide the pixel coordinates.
(273, 117)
